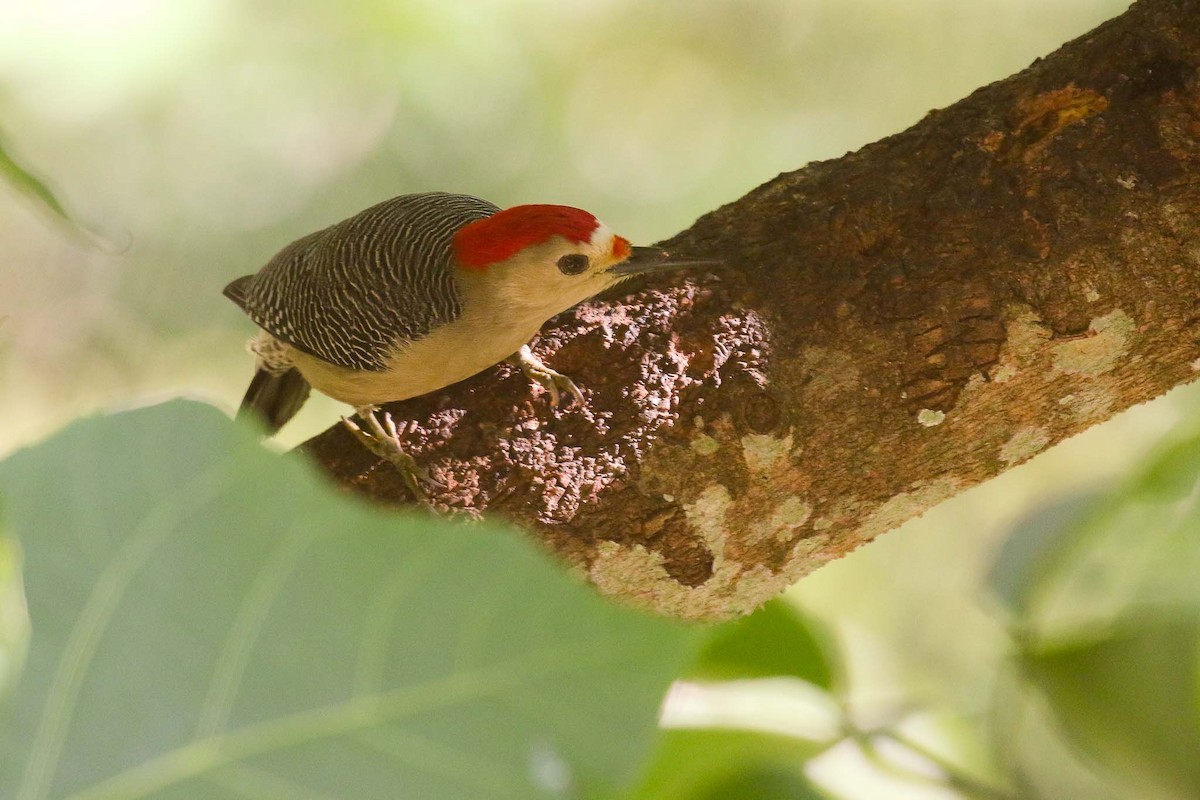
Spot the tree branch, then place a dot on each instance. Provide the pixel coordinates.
(892, 327)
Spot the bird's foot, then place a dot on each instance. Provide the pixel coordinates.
(383, 439)
(552, 381)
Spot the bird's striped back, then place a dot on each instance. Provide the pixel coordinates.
(351, 292)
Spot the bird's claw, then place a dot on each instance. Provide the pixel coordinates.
(383, 439)
(551, 380)
(555, 383)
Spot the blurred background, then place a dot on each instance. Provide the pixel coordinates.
(191, 139)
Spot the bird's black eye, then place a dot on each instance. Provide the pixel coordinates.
(573, 264)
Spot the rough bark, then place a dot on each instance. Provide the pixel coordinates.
(890, 328)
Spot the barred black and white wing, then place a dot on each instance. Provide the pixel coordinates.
(349, 293)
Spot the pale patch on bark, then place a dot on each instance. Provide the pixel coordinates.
(705, 445)
(1090, 403)
(791, 514)
(638, 574)
(1026, 333)
(707, 517)
(929, 417)
(1025, 443)
(1004, 373)
(763, 452)
(1109, 339)
(906, 505)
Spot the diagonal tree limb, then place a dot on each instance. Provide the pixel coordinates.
(891, 328)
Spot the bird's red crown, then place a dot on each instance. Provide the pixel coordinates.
(499, 237)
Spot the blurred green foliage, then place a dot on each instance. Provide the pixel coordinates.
(21, 178)
(1107, 618)
(1131, 700)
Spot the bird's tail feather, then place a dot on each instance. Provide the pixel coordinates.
(274, 397)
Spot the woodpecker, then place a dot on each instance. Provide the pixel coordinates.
(419, 292)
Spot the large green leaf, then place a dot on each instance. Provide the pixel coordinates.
(763, 783)
(1131, 699)
(775, 640)
(713, 762)
(211, 621)
(706, 764)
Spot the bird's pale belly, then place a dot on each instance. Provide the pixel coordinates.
(436, 361)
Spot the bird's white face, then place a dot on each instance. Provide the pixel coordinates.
(523, 265)
(550, 277)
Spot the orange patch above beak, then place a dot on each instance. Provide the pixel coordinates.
(620, 248)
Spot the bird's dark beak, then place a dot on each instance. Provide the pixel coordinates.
(651, 259)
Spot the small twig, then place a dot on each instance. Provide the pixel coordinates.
(951, 775)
